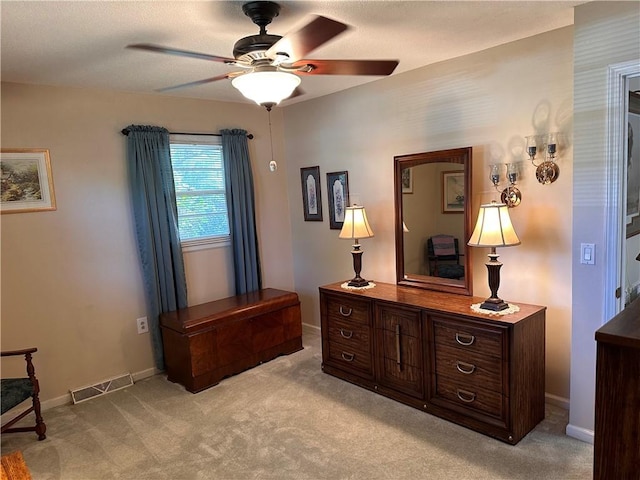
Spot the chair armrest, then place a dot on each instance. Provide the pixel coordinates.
(11, 353)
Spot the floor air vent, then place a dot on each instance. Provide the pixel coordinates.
(116, 383)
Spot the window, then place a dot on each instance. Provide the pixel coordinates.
(198, 175)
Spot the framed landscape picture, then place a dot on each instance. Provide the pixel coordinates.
(453, 192)
(311, 195)
(338, 194)
(27, 182)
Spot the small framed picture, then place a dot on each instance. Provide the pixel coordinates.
(453, 192)
(27, 182)
(407, 180)
(338, 194)
(311, 195)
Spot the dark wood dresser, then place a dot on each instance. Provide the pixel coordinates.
(429, 350)
(205, 343)
(616, 445)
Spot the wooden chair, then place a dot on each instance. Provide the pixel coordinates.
(14, 391)
(445, 266)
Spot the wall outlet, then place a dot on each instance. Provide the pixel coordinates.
(143, 325)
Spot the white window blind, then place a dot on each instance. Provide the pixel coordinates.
(198, 175)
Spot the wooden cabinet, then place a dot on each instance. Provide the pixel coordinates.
(431, 351)
(616, 443)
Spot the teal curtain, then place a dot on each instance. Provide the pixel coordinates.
(241, 206)
(156, 222)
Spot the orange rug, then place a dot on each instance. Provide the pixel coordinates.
(14, 467)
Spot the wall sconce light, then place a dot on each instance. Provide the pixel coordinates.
(356, 226)
(547, 171)
(494, 229)
(510, 196)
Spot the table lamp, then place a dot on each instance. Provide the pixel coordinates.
(494, 229)
(356, 226)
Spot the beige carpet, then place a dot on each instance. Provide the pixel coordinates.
(282, 420)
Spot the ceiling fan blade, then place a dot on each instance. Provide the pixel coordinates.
(199, 82)
(182, 53)
(301, 42)
(347, 67)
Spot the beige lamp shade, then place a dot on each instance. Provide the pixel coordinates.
(494, 227)
(355, 223)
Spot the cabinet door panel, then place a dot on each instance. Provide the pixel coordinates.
(399, 347)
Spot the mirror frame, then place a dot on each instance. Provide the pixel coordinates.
(457, 155)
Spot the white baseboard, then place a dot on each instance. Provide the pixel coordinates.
(580, 433)
(149, 372)
(556, 400)
(66, 398)
(314, 328)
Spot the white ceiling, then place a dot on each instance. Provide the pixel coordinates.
(82, 43)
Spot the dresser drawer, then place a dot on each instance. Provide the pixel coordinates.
(482, 340)
(472, 398)
(348, 309)
(347, 358)
(469, 368)
(349, 334)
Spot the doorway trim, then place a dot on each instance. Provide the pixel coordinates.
(618, 100)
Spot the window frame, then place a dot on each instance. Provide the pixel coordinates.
(212, 241)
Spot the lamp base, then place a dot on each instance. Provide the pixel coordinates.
(358, 282)
(494, 304)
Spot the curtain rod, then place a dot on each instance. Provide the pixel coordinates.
(125, 131)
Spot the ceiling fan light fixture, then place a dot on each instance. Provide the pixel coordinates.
(266, 87)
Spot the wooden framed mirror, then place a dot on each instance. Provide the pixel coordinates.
(433, 220)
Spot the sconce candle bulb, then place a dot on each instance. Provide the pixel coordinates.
(510, 196)
(547, 171)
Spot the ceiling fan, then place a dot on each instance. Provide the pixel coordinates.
(272, 64)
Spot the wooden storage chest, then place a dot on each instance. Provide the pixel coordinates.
(205, 343)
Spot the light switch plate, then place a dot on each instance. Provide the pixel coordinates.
(588, 253)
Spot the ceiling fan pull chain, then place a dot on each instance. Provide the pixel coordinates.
(273, 166)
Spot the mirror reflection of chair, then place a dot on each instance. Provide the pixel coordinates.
(443, 256)
(14, 391)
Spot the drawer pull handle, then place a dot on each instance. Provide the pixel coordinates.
(465, 368)
(348, 356)
(345, 313)
(466, 397)
(346, 333)
(465, 339)
(398, 354)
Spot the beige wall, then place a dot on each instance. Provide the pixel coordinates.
(606, 34)
(490, 101)
(71, 281)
